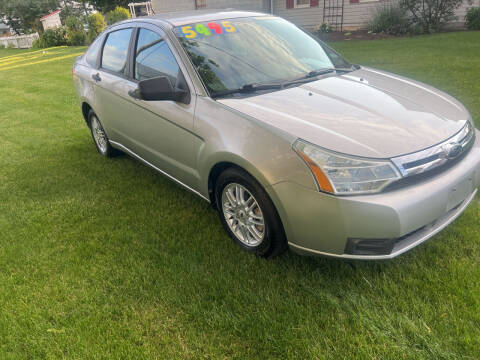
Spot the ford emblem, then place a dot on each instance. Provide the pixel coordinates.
(452, 150)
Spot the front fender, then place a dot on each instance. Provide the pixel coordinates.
(232, 137)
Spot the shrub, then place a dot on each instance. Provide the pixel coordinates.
(73, 23)
(472, 19)
(2, 46)
(77, 38)
(96, 24)
(325, 28)
(117, 15)
(76, 34)
(431, 15)
(52, 37)
(389, 20)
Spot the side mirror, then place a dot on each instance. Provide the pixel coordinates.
(161, 89)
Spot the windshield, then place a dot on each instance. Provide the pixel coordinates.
(230, 54)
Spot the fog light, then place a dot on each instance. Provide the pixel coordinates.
(369, 246)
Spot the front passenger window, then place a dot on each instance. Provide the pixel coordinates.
(153, 58)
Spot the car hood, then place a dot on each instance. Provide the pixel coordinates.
(367, 113)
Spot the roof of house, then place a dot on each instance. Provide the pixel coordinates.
(48, 15)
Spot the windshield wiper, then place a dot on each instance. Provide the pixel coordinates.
(314, 74)
(319, 72)
(251, 88)
(248, 88)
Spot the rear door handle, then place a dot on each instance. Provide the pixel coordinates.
(96, 77)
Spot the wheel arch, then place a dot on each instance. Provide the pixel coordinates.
(237, 162)
(85, 110)
(213, 175)
(221, 166)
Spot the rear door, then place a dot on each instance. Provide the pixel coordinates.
(109, 79)
(159, 132)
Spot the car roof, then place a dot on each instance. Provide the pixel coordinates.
(195, 16)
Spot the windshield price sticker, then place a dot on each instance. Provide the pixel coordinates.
(207, 29)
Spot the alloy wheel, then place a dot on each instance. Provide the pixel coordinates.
(99, 135)
(243, 214)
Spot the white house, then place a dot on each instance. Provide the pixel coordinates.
(344, 14)
(5, 29)
(52, 20)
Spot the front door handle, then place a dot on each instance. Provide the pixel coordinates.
(96, 77)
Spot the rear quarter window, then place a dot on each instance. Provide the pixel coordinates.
(92, 53)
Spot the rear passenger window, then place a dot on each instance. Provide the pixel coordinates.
(115, 51)
(153, 57)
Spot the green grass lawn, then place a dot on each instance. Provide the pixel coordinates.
(106, 259)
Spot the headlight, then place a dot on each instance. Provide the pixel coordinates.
(345, 175)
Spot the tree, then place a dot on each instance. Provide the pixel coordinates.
(117, 15)
(75, 33)
(74, 8)
(24, 15)
(109, 5)
(96, 24)
(431, 15)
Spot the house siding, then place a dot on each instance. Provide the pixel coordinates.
(256, 5)
(462, 11)
(51, 22)
(355, 16)
(306, 17)
(160, 6)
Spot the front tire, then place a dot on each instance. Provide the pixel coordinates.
(99, 136)
(248, 215)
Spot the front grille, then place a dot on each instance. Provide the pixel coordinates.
(415, 179)
(449, 151)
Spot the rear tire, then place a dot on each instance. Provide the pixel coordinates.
(99, 136)
(248, 214)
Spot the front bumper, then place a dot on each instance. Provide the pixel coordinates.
(322, 224)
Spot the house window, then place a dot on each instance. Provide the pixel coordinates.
(201, 4)
(301, 3)
(362, 1)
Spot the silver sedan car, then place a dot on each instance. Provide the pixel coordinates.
(293, 145)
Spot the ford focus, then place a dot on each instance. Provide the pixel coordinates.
(292, 144)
